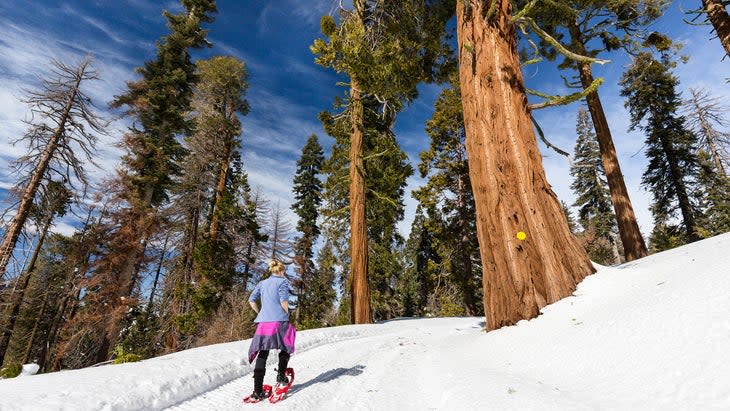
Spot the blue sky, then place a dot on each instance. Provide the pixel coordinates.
(287, 89)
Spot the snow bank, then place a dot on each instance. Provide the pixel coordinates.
(651, 334)
(151, 384)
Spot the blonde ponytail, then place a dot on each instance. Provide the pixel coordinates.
(276, 266)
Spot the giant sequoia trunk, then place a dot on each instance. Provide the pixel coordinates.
(358, 225)
(717, 14)
(510, 189)
(628, 228)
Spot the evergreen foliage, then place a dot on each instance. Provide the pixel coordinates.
(160, 101)
(308, 197)
(671, 175)
(595, 212)
(386, 49)
(319, 308)
(386, 169)
(448, 201)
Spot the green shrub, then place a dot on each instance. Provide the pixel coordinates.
(11, 371)
(120, 357)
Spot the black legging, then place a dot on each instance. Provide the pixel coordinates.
(260, 367)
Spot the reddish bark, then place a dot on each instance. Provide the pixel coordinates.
(508, 180)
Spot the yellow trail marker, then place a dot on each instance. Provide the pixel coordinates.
(521, 236)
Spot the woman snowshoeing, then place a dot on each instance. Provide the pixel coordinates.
(273, 330)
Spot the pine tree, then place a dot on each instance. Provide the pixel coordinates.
(652, 100)
(595, 28)
(308, 197)
(715, 203)
(320, 294)
(212, 192)
(417, 286)
(511, 192)
(63, 131)
(159, 103)
(386, 170)
(449, 190)
(53, 203)
(705, 117)
(595, 213)
(569, 217)
(386, 49)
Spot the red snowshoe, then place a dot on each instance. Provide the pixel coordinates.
(281, 390)
(254, 397)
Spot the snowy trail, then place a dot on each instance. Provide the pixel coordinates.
(365, 368)
(416, 368)
(648, 335)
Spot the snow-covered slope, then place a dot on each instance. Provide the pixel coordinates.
(652, 334)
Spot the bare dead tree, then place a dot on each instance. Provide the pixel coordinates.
(706, 117)
(62, 134)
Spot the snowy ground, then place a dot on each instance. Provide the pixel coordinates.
(652, 334)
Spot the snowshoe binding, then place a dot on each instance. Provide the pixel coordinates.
(259, 396)
(284, 381)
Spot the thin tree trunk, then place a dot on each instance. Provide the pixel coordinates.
(26, 201)
(685, 206)
(710, 137)
(358, 224)
(219, 191)
(31, 339)
(508, 180)
(70, 291)
(717, 13)
(17, 299)
(157, 274)
(247, 264)
(470, 300)
(628, 227)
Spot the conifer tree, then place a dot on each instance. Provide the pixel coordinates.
(717, 15)
(595, 28)
(159, 103)
(449, 190)
(320, 295)
(653, 102)
(53, 203)
(417, 283)
(569, 217)
(706, 118)
(213, 190)
(387, 170)
(62, 134)
(386, 49)
(715, 202)
(595, 213)
(308, 197)
(510, 190)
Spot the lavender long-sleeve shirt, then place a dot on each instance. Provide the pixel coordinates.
(272, 291)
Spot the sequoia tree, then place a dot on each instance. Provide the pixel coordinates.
(717, 15)
(510, 189)
(386, 48)
(597, 27)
